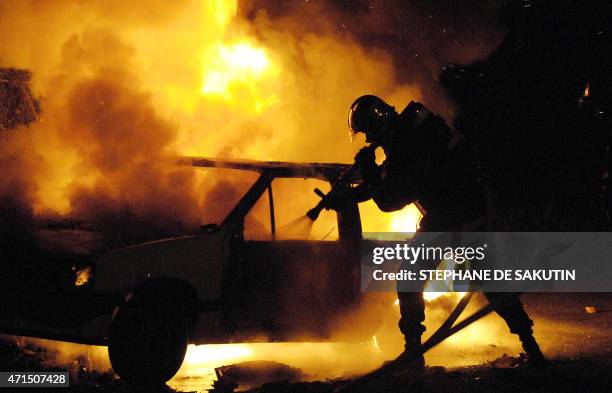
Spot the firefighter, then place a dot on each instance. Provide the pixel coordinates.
(430, 164)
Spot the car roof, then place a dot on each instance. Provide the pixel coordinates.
(315, 170)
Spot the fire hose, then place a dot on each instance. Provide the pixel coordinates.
(447, 329)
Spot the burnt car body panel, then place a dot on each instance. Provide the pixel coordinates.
(247, 290)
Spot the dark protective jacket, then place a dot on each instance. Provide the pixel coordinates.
(431, 164)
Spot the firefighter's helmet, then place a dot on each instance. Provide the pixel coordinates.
(369, 114)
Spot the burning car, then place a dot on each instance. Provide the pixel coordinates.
(148, 300)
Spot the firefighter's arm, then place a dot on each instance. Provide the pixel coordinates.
(348, 195)
(370, 171)
(396, 187)
(388, 202)
(361, 193)
(372, 181)
(371, 175)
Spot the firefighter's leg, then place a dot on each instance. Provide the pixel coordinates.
(511, 310)
(412, 314)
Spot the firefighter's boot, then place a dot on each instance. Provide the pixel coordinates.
(412, 360)
(535, 357)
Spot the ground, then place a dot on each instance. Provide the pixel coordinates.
(579, 345)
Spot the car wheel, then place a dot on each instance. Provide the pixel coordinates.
(147, 342)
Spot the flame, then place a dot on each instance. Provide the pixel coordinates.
(239, 71)
(314, 358)
(201, 361)
(236, 73)
(586, 90)
(238, 61)
(429, 296)
(82, 276)
(206, 356)
(432, 295)
(223, 11)
(405, 220)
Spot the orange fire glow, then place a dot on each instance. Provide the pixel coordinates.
(405, 220)
(239, 66)
(123, 94)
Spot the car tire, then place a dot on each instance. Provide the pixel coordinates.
(147, 342)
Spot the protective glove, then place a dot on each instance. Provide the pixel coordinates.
(365, 157)
(338, 198)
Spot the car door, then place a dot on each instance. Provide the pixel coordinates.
(293, 277)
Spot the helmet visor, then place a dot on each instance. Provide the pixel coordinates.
(369, 114)
(351, 126)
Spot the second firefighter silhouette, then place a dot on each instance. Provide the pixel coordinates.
(433, 165)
